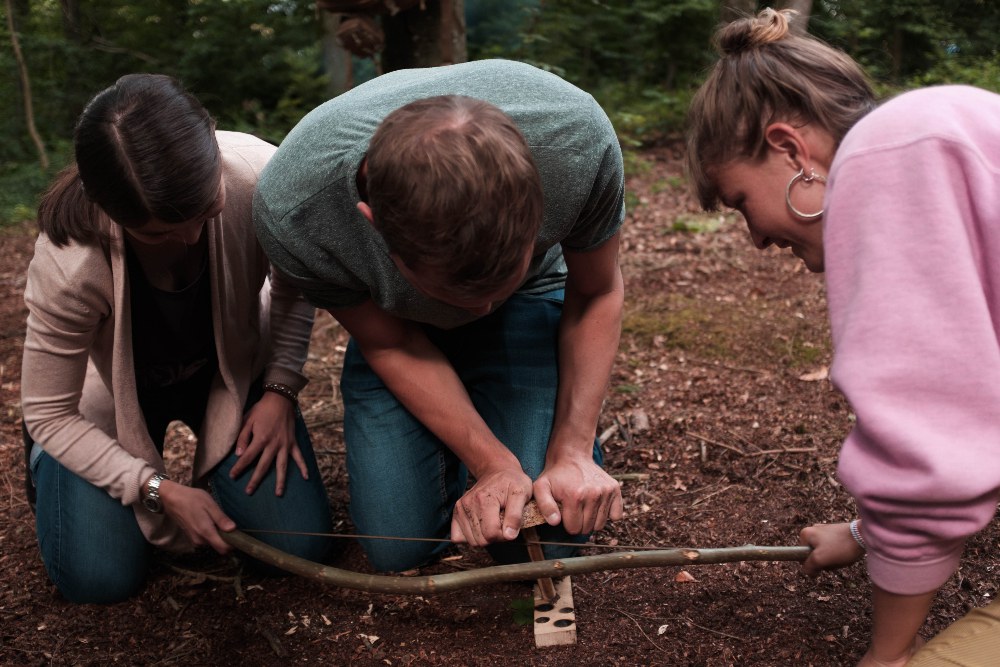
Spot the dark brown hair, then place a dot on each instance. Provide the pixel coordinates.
(453, 188)
(766, 74)
(145, 148)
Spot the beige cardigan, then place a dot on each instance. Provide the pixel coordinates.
(78, 391)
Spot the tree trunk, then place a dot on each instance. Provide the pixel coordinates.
(71, 20)
(337, 61)
(896, 52)
(22, 68)
(430, 34)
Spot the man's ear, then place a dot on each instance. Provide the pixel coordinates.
(788, 141)
(366, 211)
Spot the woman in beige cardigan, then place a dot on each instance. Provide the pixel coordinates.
(150, 301)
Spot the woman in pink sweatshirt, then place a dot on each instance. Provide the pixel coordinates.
(900, 206)
(150, 300)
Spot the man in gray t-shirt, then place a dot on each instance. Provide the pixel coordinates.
(462, 223)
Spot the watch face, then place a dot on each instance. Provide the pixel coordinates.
(152, 504)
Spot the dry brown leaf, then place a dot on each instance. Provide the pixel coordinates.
(820, 373)
(684, 577)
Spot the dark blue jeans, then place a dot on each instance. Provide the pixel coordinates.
(403, 480)
(94, 551)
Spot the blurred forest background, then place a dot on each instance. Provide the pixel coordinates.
(260, 65)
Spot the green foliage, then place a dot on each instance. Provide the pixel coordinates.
(246, 60)
(712, 331)
(254, 64)
(700, 223)
(644, 42)
(21, 184)
(523, 610)
(899, 41)
(639, 58)
(642, 114)
(494, 28)
(257, 64)
(981, 71)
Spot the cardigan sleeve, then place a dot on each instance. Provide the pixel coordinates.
(68, 298)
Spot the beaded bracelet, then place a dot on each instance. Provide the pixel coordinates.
(856, 534)
(282, 389)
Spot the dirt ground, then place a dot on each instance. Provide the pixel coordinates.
(719, 419)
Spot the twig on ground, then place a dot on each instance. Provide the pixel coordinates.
(608, 432)
(716, 632)
(624, 429)
(716, 364)
(238, 584)
(790, 450)
(276, 646)
(716, 443)
(714, 493)
(631, 476)
(760, 472)
(200, 575)
(174, 658)
(632, 618)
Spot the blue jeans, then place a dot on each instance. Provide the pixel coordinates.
(93, 549)
(403, 480)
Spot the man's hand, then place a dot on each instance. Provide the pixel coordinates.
(589, 496)
(268, 436)
(196, 513)
(476, 518)
(832, 547)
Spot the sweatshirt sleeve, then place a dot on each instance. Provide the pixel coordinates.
(66, 294)
(910, 248)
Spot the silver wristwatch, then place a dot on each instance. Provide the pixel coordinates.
(151, 501)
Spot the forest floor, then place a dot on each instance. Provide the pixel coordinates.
(719, 417)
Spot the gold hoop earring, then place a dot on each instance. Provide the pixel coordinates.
(801, 176)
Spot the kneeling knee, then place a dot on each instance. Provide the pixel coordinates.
(99, 587)
(388, 556)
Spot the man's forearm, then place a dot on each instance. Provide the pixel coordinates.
(589, 332)
(420, 378)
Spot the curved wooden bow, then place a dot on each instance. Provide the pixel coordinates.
(441, 583)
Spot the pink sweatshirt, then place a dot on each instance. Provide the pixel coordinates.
(912, 248)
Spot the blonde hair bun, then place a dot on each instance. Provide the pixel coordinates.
(754, 31)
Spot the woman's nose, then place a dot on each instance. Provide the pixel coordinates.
(759, 240)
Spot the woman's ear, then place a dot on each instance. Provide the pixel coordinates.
(788, 141)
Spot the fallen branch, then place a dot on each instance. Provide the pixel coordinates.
(442, 583)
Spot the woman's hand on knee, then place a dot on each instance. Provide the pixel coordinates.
(197, 514)
(268, 437)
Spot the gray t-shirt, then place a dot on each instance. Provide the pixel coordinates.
(305, 205)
